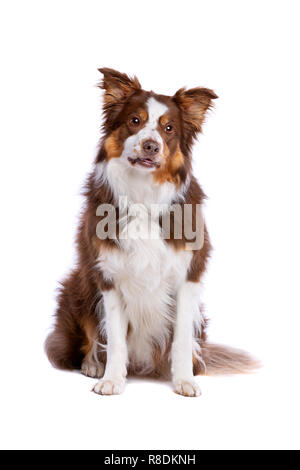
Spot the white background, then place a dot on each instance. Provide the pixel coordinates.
(247, 162)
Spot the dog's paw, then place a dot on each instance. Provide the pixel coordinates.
(109, 387)
(187, 388)
(92, 369)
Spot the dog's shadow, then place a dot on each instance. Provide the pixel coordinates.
(135, 379)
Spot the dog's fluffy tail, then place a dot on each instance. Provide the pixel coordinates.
(63, 351)
(224, 360)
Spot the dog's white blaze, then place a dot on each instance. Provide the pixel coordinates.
(156, 110)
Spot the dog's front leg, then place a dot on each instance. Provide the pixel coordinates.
(182, 347)
(113, 381)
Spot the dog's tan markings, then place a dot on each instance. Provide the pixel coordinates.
(198, 367)
(91, 365)
(169, 169)
(112, 146)
(164, 119)
(89, 327)
(143, 115)
(176, 161)
(161, 361)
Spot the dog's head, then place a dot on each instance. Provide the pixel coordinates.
(150, 132)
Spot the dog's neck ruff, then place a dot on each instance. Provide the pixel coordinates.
(137, 186)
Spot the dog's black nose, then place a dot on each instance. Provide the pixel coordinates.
(151, 148)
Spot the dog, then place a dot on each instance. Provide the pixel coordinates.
(132, 303)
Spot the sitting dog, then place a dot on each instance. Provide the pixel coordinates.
(131, 305)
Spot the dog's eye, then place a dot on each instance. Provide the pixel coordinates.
(135, 121)
(169, 129)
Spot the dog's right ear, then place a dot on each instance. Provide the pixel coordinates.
(118, 88)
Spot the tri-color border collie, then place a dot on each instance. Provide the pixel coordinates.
(131, 305)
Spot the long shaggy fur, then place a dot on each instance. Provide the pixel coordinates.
(225, 360)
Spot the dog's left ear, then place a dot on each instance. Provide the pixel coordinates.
(193, 104)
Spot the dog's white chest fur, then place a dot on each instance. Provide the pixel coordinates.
(147, 273)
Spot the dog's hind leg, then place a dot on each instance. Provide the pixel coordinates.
(73, 343)
(91, 365)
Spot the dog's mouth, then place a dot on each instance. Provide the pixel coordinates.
(144, 161)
